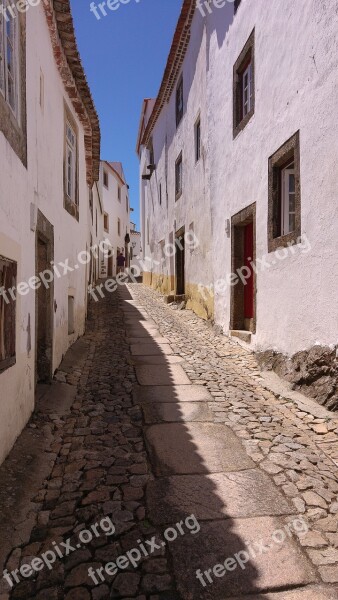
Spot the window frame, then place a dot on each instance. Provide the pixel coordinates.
(198, 139)
(6, 73)
(71, 202)
(279, 163)
(13, 124)
(8, 310)
(106, 222)
(245, 64)
(105, 179)
(179, 176)
(179, 101)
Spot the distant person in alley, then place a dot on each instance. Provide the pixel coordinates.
(120, 262)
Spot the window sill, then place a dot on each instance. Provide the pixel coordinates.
(243, 123)
(7, 364)
(284, 241)
(71, 208)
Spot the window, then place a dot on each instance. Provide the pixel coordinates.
(105, 179)
(244, 86)
(288, 217)
(91, 202)
(13, 78)
(42, 91)
(284, 225)
(160, 193)
(9, 59)
(119, 193)
(179, 102)
(198, 139)
(71, 316)
(8, 272)
(148, 236)
(179, 177)
(106, 222)
(127, 204)
(118, 227)
(71, 164)
(237, 3)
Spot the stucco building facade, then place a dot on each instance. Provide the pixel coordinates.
(115, 198)
(241, 147)
(49, 149)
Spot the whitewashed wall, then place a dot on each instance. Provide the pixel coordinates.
(42, 184)
(296, 89)
(116, 209)
(296, 83)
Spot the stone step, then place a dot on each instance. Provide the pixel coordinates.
(216, 496)
(192, 448)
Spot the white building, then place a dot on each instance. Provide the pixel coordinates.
(241, 147)
(136, 252)
(115, 197)
(49, 153)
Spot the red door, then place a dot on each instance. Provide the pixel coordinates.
(248, 258)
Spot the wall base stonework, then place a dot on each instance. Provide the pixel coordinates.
(198, 298)
(313, 372)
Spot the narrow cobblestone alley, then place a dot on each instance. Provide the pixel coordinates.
(171, 457)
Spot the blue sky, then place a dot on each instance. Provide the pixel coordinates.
(124, 55)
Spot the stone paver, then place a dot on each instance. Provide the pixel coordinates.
(195, 448)
(224, 495)
(161, 375)
(280, 565)
(170, 412)
(175, 393)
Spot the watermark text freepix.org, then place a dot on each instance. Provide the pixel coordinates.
(252, 551)
(46, 277)
(60, 550)
(133, 557)
(111, 5)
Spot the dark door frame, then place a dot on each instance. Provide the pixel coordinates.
(180, 261)
(45, 234)
(238, 223)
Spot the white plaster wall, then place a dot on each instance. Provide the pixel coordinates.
(42, 184)
(116, 209)
(193, 207)
(296, 89)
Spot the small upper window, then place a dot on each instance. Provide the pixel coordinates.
(179, 177)
(70, 162)
(119, 193)
(160, 193)
(244, 86)
(198, 139)
(106, 222)
(288, 216)
(179, 102)
(8, 273)
(118, 227)
(9, 55)
(236, 5)
(127, 204)
(105, 179)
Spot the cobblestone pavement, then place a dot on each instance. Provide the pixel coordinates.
(173, 436)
